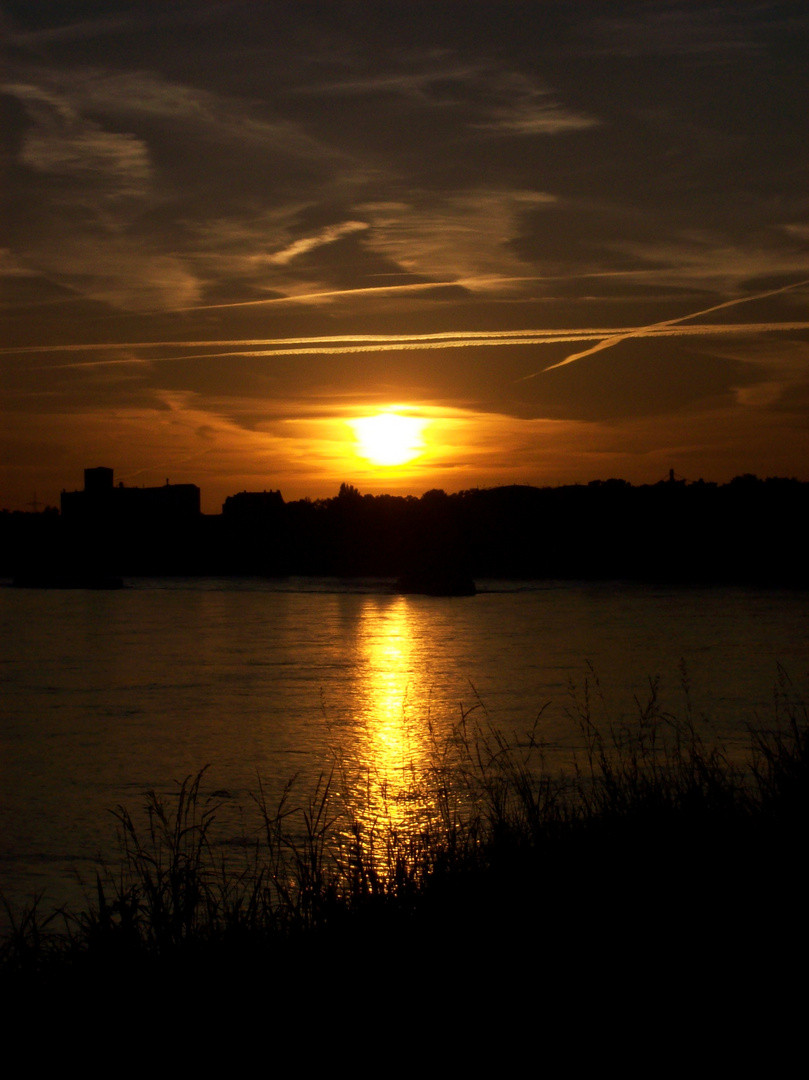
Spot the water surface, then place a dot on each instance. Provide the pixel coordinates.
(109, 694)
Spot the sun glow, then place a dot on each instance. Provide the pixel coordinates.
(389, 438)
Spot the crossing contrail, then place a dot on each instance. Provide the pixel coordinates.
(645, 331)
(344, 344)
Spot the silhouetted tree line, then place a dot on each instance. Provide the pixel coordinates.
(749, 530)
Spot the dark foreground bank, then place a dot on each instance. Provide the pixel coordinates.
(660, 872)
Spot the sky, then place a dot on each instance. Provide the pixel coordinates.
(567, 240)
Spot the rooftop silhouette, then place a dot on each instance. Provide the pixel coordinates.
(749, 530)
(101, 499)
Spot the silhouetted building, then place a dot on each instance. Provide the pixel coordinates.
(101, 501)
(749, 530)
(98, 480)
(253, 507)
(253, 532)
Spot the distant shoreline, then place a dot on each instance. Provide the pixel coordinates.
(749, 531)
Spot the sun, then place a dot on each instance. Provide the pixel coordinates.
(389, 438)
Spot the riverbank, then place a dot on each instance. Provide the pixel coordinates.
(658, 854)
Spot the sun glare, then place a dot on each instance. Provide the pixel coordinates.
(388, 438)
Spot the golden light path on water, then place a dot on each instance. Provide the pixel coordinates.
(388, 764)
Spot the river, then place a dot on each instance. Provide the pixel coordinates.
(107, 695)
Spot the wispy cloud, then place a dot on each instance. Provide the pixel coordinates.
(309, 243)
(462, 234)
(145, 95)
(60, 141)
(425, 84)
(127, 275)
(523, 108)
(88, 185)
(483, 97)
(705, 257)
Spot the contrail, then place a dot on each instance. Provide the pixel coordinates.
(467, 343)
(301, 298)
(643, 331)
(449, 339)
(472, 336)
(473, 282)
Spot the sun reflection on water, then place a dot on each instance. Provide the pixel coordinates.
(386, 763)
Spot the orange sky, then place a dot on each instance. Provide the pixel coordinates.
(571, 238)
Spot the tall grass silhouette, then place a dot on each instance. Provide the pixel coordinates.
(649, 810)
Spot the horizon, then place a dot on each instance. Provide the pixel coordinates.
(670, 478)
(294, 245)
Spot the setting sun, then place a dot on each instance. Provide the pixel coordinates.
(388, 438)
